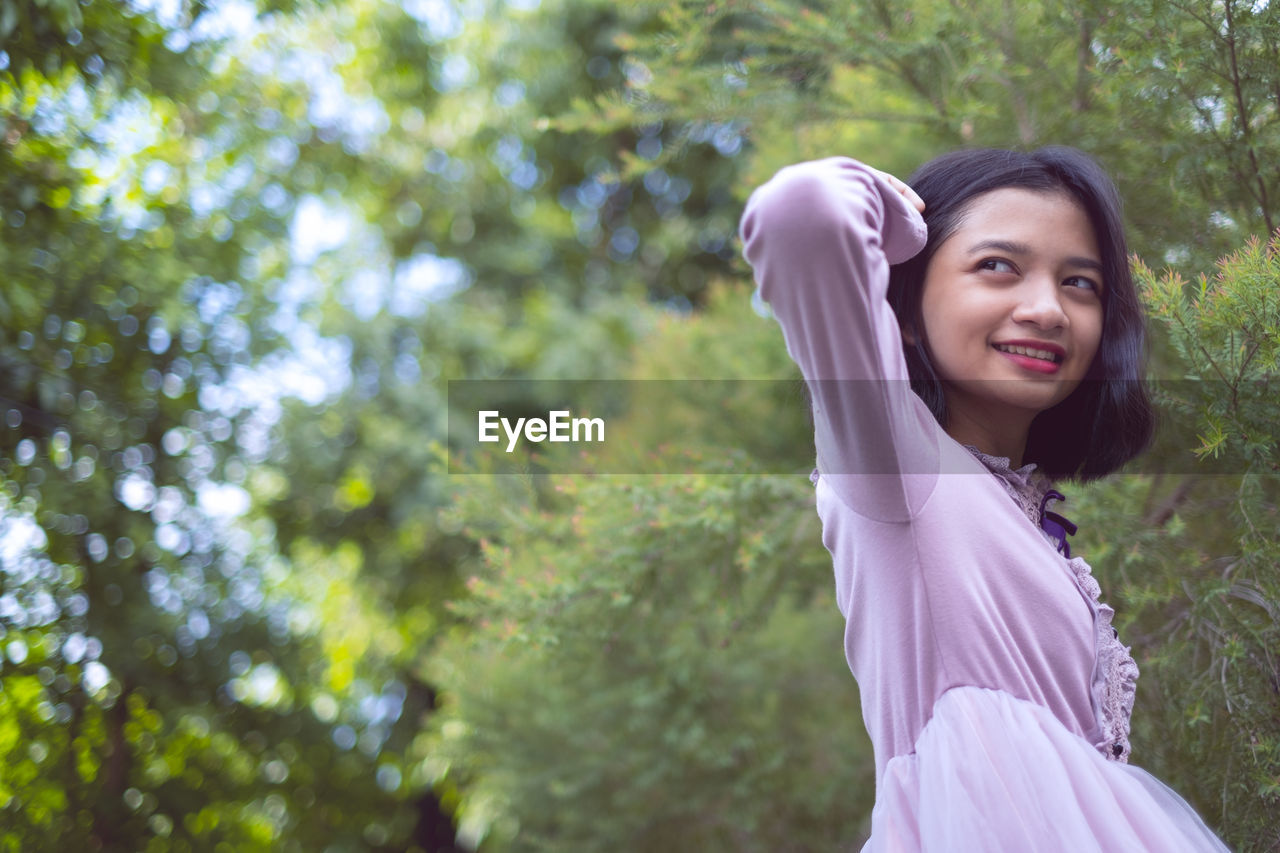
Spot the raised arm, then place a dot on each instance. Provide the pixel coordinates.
(820, 237)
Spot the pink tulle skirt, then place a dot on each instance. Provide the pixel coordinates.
(995, 773)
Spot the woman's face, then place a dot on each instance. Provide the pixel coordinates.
(1021, 272)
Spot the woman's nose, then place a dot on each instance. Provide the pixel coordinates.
(1040, 303)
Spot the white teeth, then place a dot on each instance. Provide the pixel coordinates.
(1033, 353)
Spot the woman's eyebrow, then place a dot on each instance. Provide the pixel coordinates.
(1087, 263)
(1000, 246)
(1012, 248)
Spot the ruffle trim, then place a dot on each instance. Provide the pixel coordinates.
(1115, 675)
(1026, 485)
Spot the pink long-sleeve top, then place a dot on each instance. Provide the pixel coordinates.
(942, 572)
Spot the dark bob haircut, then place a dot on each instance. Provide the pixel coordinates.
(1108, 419)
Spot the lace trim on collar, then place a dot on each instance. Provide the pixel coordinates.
(1026, 485)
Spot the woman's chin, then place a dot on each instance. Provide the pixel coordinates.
(1025, 397)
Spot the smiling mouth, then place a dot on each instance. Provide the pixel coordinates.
(1030, 352)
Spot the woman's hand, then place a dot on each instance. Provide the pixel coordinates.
(906, 191)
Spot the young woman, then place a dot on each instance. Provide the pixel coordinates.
(958, 362)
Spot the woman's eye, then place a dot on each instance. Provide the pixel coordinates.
(996, 265)
(1082, 282)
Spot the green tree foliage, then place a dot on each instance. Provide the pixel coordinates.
(643, 664)
(1207, 119)
(156, 691)
(650, 663)
(1200, 567)
(173, 184)
(1176, 99)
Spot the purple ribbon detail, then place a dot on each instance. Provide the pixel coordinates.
(1055, 525)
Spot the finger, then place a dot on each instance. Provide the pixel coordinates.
(905, 191)
(911, 196)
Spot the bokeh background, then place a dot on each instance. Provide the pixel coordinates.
(245, 244)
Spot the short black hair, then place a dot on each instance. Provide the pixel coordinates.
(1108, 419)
